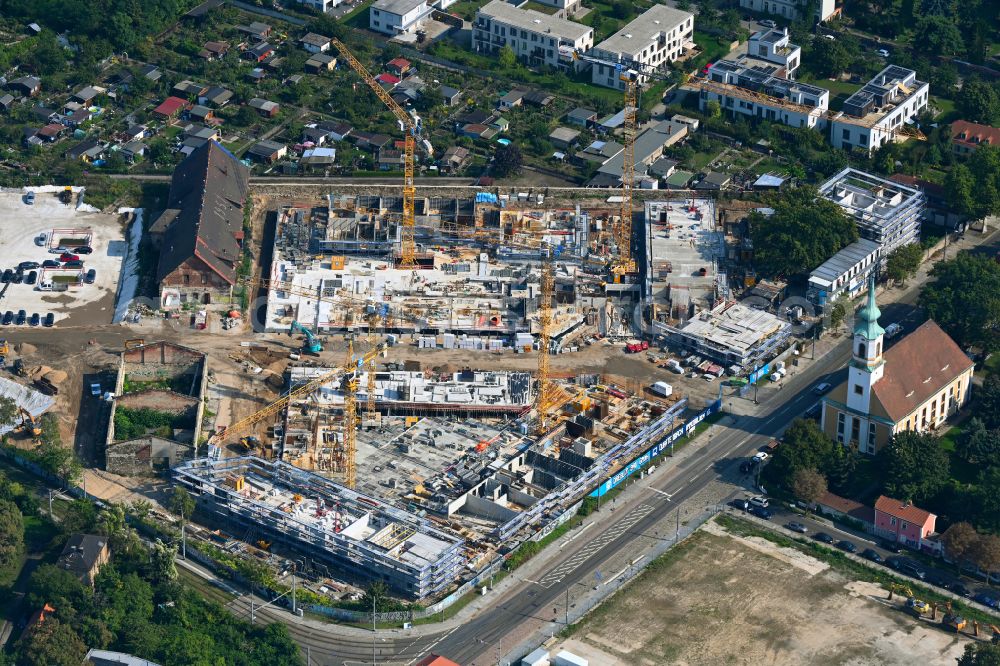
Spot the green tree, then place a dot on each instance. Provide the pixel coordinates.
(11, 536)
(938, 35)
(507, 58)
(376, 595)
(507, 161)
(988, 402)
(60, 588)
(959, 541)
(838, 311)
(81, 516)
(181, 502)
(959, 187)
(51, 643)
(804, 446)
(804, 231)
(985, 553)
(980, 654)
(964, 299)
(161, 562)
(978, 445)
(826, 58)
(808, 485)
(903, 262)
(713, 109)
(978, 102)
(914, 466)
(8, 410)
(622, 10)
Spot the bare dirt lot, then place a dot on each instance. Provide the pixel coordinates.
(719, 599)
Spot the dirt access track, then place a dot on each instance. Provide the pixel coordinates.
(720, 599)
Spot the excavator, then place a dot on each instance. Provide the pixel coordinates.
(312, 344)
(28, 423)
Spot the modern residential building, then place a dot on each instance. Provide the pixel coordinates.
(846, 272)
(880, 111)
(775, 47)
(885, 211)
(394, 17)
(757, 91)
(915, 385)
(535, 37)
(966, 137)
(564, 8)
(790, 9)
(903, 522)
(658, 36)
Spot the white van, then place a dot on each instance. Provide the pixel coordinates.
(892, 330)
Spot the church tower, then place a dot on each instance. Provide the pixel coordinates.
(867, 363)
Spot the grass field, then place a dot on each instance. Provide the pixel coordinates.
(724, 599)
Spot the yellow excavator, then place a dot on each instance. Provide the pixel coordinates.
(28, 423)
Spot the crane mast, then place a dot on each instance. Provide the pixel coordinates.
(544, 398)
(411, 130)
(624, 262)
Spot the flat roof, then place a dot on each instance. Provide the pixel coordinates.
(400, 7)
(734, 326)
(834, 267)
(644, 29)
(868, 198)
(529, 19)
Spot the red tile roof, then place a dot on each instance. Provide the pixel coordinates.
(973, 134)
(903, 510)
(435, 660)
(387, 78)
(170, 106)
(399, 63)
(848, 507)
(918, 367)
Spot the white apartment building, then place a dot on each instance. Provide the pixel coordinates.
(755, 91)
(320, 5)
(789, 9)
(566, 7)
(775, 46)
(876, 114)
(536, 38)
(660, 35)
(394, 17)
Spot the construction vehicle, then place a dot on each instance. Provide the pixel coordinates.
(250, 443)
(312, 343)
(411, 126)
(996, 633)
(4, 351)
(900, 589)
(954, 622)
(19, 368)
(28, 423)
(917, 607)
(66, 196)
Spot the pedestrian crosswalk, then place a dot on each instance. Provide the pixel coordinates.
(564, 568)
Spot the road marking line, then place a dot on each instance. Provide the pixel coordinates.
(617, 575)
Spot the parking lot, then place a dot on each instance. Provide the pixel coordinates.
(71, 300)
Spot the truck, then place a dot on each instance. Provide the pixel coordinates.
(662, 389)
(636, 347)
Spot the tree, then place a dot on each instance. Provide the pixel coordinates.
(507, 161)
(808, 485)
(988, 401)
(507, 58)
(978, 445)
(985, 553)
(827, 58)
(11, 536)
(181, 502)
(838, 311)
(978, 102)
(8, 411)
(958, 541)
(980, 654)
(81, 516)
(376, 595)
(713, 109)
(161, 562)
(60, 588)
(903, 262)
(964, 299)
(938, 35)
(805, 446)
(804, 231)
(914, 466)
(51, 643)
(959, 187)
(622, 10)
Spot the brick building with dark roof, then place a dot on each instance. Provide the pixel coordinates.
(200, 233)
(914, 385)
(84, 555)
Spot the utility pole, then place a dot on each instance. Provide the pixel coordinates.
(812, 354)
(677, 529)
(567, 604)
(373, 631)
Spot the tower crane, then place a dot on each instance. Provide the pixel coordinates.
(410, 125)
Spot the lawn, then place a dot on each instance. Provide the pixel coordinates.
(961, 470)
(946, 109)
(467, 8)
(358, 17)
(712, 49)
(539, 7)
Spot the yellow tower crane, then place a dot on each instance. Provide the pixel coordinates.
(411, 130)
(349, 435)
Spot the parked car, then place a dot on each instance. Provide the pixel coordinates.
(822, 388)
(17, 278)
(740, 504)
(7, 275)
(761, 512)
(35, 320)
(796, 527)
(959, 588)
(50, 263)
(27, 265)
(50, 320)
(90, 276)
(872, 555)
(769, 23)
(29, 198)
(58, 250)
(909, 568)
(84, 249)
(883, 53)
(22, 316)
(830, 38)
(757, 500)
(69, 256)
(31, 278)
(73, 264)
(847, 546)
(8, 317)
(40, 239)
(760, 457)
(823, 537)
(986, 600)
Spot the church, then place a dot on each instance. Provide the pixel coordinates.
(916, 385)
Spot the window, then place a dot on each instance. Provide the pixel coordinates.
(859, 389)
(872, 427)
(204, 278)
(840, 423)
(892, 521)
(903, 526)
(878, 348)
(187, 279)
(861, 349)
(845, 134)
(855, 429)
